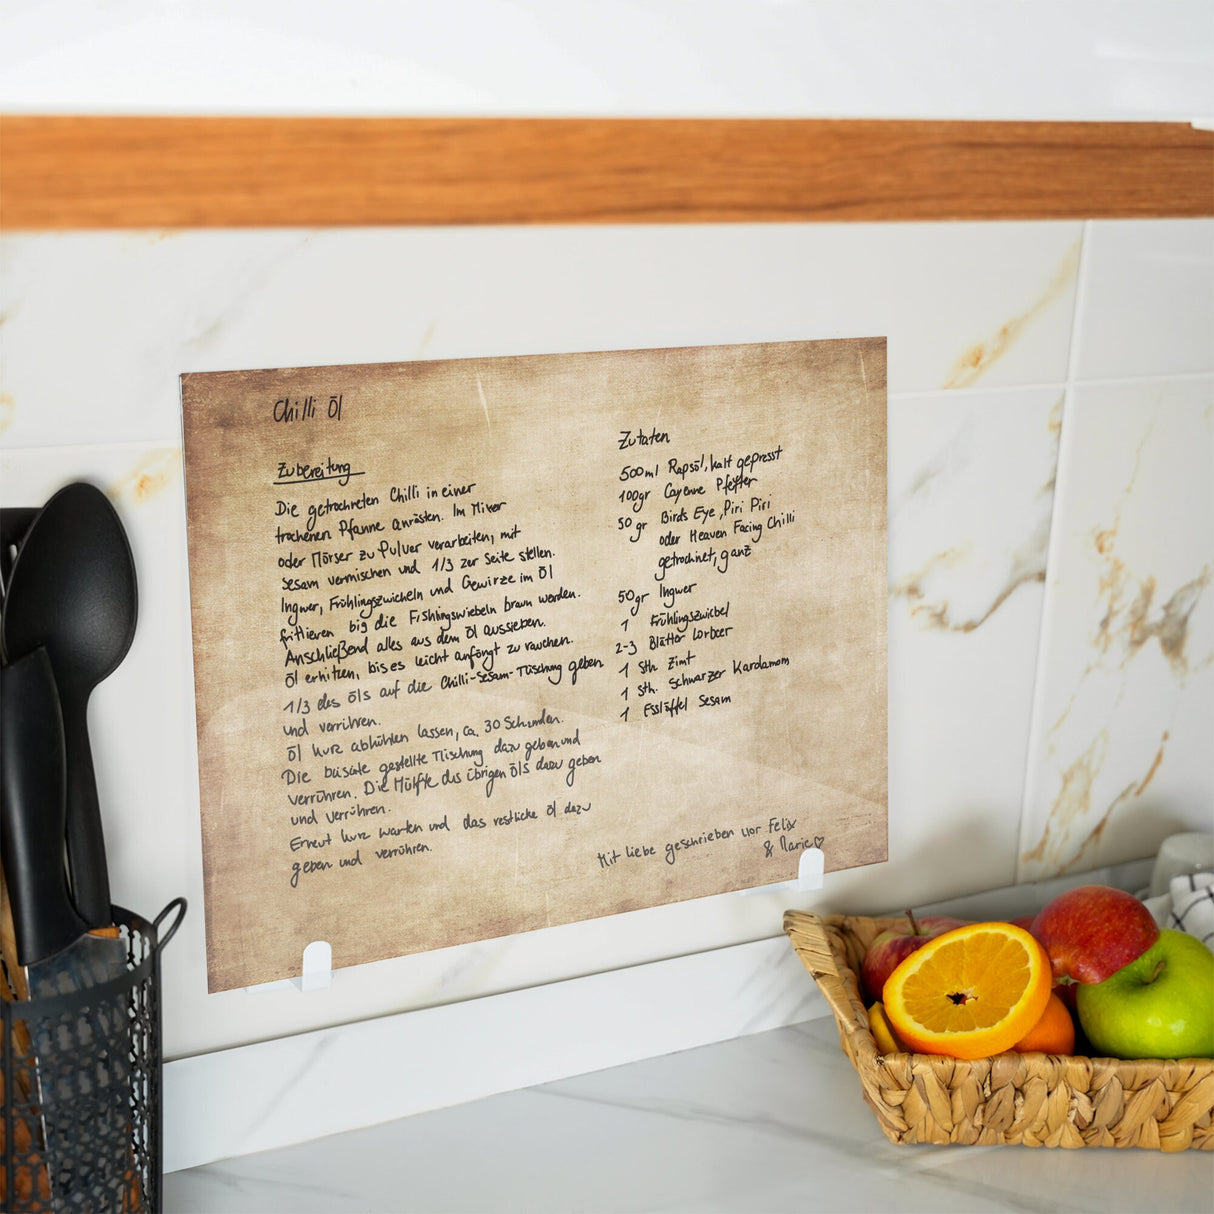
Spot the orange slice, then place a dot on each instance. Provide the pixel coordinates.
(971, 992)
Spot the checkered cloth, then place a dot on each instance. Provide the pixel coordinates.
(1192, 909)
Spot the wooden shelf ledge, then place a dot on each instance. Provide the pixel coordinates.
(70, 172)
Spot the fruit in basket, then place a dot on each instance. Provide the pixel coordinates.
(892, 946)
(971, 992)
(1092, 931)
(1160, 1005)
(1066, 992)
(1054, 1033)
(883, 1035)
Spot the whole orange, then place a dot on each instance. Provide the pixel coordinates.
(1054, 1033)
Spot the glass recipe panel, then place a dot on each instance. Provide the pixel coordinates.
(487, 645)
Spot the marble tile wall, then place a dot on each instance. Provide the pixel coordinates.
(1122, 739)
(1050, 455)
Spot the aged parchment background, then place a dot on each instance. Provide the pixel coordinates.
(801, 743)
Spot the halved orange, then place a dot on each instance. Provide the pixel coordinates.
(971, 992)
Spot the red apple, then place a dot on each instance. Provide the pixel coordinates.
(892, 945)
(1092, 931)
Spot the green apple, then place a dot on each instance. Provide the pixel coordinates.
(1160, 1005)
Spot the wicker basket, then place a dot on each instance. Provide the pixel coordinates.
(1027, 1099)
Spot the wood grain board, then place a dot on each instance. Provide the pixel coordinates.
(67, 172)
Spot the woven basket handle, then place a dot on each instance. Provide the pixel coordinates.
(808, 934)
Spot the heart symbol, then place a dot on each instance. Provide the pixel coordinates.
(819, 840)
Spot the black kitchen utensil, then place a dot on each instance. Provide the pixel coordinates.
(14, 523)
(81, 1127)
(72, 591)
(32, 810)
(57, 953)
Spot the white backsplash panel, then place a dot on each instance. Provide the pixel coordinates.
(1013, 433)
(1077, 61)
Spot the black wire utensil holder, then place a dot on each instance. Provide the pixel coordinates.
(82, 1116)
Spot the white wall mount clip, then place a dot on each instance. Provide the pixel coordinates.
(317, 967)
(316, 972)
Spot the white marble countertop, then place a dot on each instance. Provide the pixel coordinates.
(768, 1122)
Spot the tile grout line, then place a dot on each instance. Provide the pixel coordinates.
(1078, 314)
(1036, 742)
(1041, 384)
